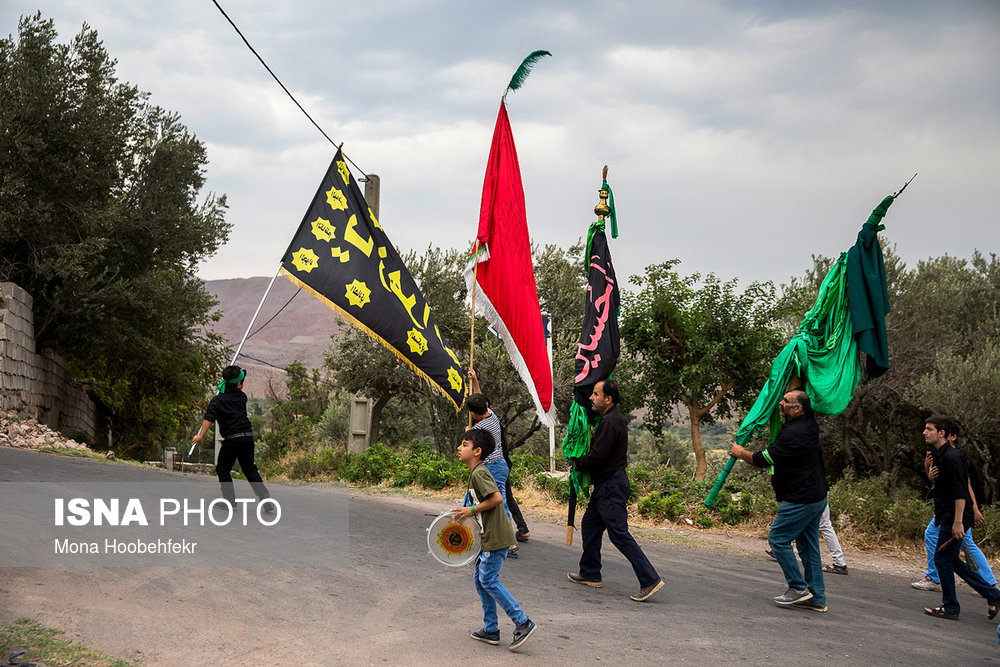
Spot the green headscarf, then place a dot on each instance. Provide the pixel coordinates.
(235, 381)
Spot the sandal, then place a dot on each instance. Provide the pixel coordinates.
(992, 609)
(939, 612)
(833, 568)
(513, 552)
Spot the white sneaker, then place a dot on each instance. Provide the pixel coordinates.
(927, 584)
(792, 596)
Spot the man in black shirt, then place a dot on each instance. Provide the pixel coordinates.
(953, 514)
(229, 409)
(606, 462)
(795, 459)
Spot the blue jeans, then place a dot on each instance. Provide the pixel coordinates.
(500, 473)
(606, 511)
(949, 564)
(491, 591)
(930, 544)
(799, 523)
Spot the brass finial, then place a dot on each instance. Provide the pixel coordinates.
(602, 209)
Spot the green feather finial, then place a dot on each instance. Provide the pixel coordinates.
(522, 72)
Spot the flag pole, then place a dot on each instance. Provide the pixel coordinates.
(253, 319)
(472, 335)
(240, 347)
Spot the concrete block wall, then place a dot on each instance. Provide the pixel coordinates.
(34, 385)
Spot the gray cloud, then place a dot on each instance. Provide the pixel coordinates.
(742, 137)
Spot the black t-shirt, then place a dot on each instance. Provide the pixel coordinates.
(229, 410)
(797, 457)
(951, 484)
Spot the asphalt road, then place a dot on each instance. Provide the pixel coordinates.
(384, 600)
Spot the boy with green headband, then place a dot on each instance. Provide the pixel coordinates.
(229, 409)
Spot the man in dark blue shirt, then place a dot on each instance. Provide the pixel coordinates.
(953, 514)
(795, 459)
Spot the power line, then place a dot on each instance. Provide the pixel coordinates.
(265, 363)
(261, 361)
(287, 92)
(261, 327)
(311, 120)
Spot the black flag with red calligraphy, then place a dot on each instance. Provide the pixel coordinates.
(599, 346)
(597, 352)
(341, 255)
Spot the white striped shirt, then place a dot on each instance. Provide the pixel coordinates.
(491, 424)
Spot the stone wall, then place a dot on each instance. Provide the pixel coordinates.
(34, 385)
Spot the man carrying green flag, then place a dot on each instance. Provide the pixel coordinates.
(822, 357)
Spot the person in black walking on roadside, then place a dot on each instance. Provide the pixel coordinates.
(606, 462)
(229, 409)
(795, 461)
(953, 514)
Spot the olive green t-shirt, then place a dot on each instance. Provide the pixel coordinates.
(497, 531)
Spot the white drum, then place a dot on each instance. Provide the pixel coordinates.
(454, 543)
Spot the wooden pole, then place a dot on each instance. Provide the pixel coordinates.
(475, 267)
(472, 336)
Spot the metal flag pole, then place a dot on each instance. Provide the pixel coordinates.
(255, 314)
(239, 348)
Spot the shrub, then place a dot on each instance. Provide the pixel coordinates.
(657, 506)
(372, 466)
(909, 516)
(525, 466)
(988, 536)
(733, 513)
(703, 516)
(671, 480)
(752, 487)
(558, 489)
(876, 516)
(304, 464)
(440, 473)
(864, 501)
(641, 479)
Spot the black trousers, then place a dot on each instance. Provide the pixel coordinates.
(606, 512)
(231, 451)
(515, 511)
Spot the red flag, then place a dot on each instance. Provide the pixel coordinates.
(505, 279)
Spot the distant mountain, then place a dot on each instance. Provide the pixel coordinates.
(299, 332)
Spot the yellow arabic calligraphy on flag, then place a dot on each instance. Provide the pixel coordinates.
(341, 255)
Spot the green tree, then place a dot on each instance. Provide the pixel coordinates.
(698, 343)
(945, 321)
(307, 395)
(968, 388)
(101, 223)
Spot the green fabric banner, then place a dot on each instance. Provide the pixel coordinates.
(849, 315)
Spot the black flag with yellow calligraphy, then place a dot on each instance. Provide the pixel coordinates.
(341, 255)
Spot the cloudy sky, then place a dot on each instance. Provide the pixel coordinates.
(742, 137)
